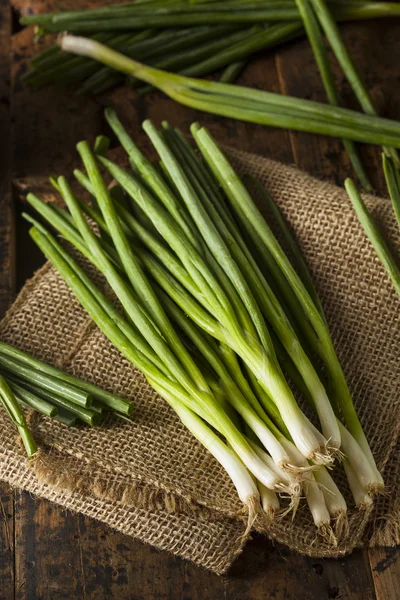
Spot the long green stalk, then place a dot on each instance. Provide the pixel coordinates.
(321, 56)
(10, 403)
(123, 19)
(392, 176)
(373, 234)
(47, 382)
(271, 310)
(111, 400)
(32, 400)
(268, 108)
(332, 33)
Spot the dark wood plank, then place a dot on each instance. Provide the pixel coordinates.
(7, 246)
(350, 577)
(6, 542)
(124, 568)
(7, 278)
(268, 571)
(43, 569)
(385, 564)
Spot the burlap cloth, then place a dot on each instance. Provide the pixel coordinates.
(151, 479)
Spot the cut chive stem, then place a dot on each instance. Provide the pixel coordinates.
(32, 400)
(24, 371)
(110, 400)
(16, 415)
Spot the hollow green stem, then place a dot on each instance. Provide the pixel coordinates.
(16, 415)
(373, 234)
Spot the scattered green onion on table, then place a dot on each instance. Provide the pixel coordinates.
(213, 313)
(26, 382)
(155, 45)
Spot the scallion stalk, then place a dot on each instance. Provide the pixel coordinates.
(233, 71)
(188, 15)
(373, 234)
(32, 400)
(16, 415)
(111, 400)
(44, 380)
(237, 102)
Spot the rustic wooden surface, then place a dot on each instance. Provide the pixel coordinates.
(47, 553)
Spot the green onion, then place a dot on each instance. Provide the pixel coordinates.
(247, 104)
(16, 415)
(48, 382)
(32, 400)
(392, 176)
(233, 71)
(192, 15)
(373, 234)
(111, 400)
(321, 56)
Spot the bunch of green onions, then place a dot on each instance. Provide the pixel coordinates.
(214, 314)
(28, 383)
(193, 39)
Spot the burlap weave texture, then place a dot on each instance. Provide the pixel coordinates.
(151, 479)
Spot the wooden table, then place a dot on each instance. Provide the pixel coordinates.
(47, 553)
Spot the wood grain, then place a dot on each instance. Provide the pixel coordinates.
(385, 565)
(62, 555)
(7, 279)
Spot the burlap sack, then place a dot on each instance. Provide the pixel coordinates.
(151, 479)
